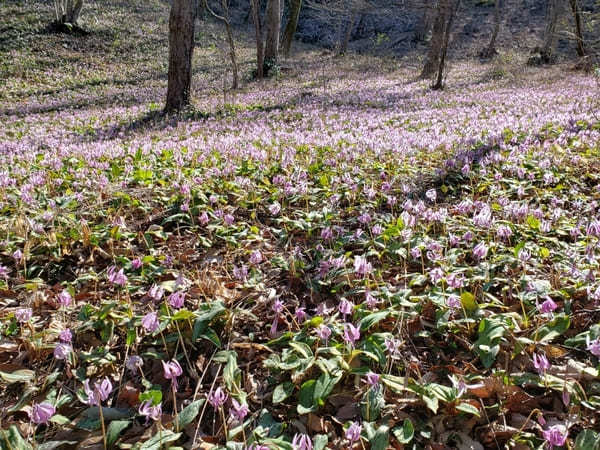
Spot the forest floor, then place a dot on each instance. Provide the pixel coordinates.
(338, 256)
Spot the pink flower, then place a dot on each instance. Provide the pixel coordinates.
(453, 301)
(156, 292)
(238, 410)
(351, 334)
(150, 412)
(134, 362)
(300, 314)
(555, 435)
(99, 393)
(217, 398)
(229, 219)
(17, 255)
(353, 432)
(62, 351)
(41, 412)
(480, 251)
(372, 379)
(302, 442)
(431, 194)
(345, 307)
(548, 306)
(256, 257)
(23, 314)
(362, 267)
(274, 209)
(150, 322)
(241, 273)
(177, 299)
(65, 336)
(593, 346)
(136, 263)
(116, 276)
(64, 298)
(203, 219)
(323, 332)
(371, 300)
(541, 363)
(172, 370)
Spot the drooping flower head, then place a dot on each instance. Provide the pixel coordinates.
(177, 299)
(302, 442)
(238, 410)
(150, 322)
(541, 363)
(217, 398)
(23, 314)
(41, 413)
(353, 432)
(150, 412)
(351, 334)
(64, 298)
(556, 435)
(172, 370)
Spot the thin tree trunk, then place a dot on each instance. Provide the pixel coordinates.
(491, 48)
(550, 36)
(423, 25)
(272, 28)
(181, 49)
(343, 48)
(260, 54)
(76, 11)
(451, 6)
(290, 28)
(578, 27)
(437, 39)
(231, 42)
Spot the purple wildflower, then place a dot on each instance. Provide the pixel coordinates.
(150, 322)
(217, 398)
(41, 413)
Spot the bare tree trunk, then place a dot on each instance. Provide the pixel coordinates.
(423, 25)
(343, 48)
(231, 42)
(578, 27)
(450, 6)
(272, 28)
(491, 48)
(550, 36)
(290, 28)
(437, 39)
(260, 54)
(181, 49)
(229, 33)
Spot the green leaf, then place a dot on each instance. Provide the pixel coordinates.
(60, 419)
(372, 319)
(51, 445)
(405, 433)
(587, 440)
(282, 391)
(306, 397)
(232, 374)
(11, 439)
(153, 395)
(381, 439)
(114, 431)
(182, 314)
(468, 301)
(189, 413)
(157, 441)
(554, 328)
(320, 442)
(468, 408)
(18, 376)
(533, 222)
